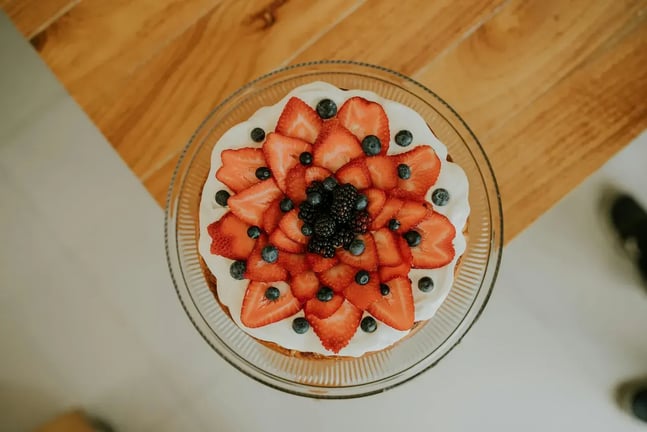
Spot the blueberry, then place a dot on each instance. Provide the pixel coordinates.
(325, 294)
(314, 198)
(263, 173)
(270, 254)
(425, 284)
(272, 293)
(413, 238)
(361, 203)
(394, 224)
(404, 172)
(237, 270)
(356, 247)
(221, 197)
(330, 183)
(253, 232)
(440, 197)
(300, 325)
(326, 108)
(368, 324)
(384, 289)
(257, 134)
(362, 277)
(306, 230)
(305, 158)
(286, 205)
(403, 138)
(371, 145)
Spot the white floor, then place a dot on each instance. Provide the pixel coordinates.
(88, 316)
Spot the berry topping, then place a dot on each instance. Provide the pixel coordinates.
(338, 277)
(388, 249)
(306, 230)
(292, 227)
(371, 145)
(272, 293)
(368, 324)
(315, 173)
(286, 205)
(307, 212)
(222, 196)
(323, 308)
(298, 120)
(361, 203)
(361, 222)
(355, 173)
(335, 147)
(237, 270)
(263, 173)
(305, 158)
(436, 247)
(425, 167)
(294, 263)
(314, 198)
(282, 154)
(440, 197)
(366, 260)
(356, 247)
(258, 311)
(425, 284)
(270, 254)
(343, 203)
(320, 264)
(384, 289)
(326, 109)
(403, 138)
(413, 238)
(404, 172)
(330, 183)
(324, 226)
(322, 246)
(260, 270)
(411, 213)
(272, 216)
(229, 237)
(394, 224)
(284, 243)
(295, 183)
(395, 309)
(362, 296)
(343, 237)
(238, 170)
(325, 294)
(300, 325)
(251, 204)
(253, 232)
(304, 286)
(257, 134)
(389, 210)
(383, 172)
(337, 330)
(363, 117)
(362, 277)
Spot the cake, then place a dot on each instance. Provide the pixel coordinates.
(332, 223)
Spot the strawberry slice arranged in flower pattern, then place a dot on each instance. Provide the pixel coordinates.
(309, 241)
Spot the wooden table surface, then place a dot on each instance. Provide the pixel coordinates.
(552, 88)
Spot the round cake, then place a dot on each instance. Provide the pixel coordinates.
(332, 222)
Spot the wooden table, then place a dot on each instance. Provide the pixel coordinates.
(552, 88)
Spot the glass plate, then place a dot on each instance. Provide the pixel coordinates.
(336, 377)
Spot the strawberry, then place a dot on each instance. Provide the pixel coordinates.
(259, 270)
(338, 277)
(258, 311)
(376, 200)
(390, 209)
(298, 120)
(362, 296)
(436, 248)
(363, 117)
(272, 216)
(229, 237)
(305, 285)
(291, 225)
(295, 184)
(238, 170)
(251, 203)
(383, 172)
(321, 309)
(356, 173)
(295, 264)
(316, 173)
(320, 264)
(410, 214)
(405, 250)
(337, 330)
(395, 309)
(279, 239)
(425, 167)
(367, 260)
(335, 147)
(388, 250)
(388, 273)
(282, 154)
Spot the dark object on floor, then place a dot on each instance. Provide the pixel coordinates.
(629, 221)
(632, 397)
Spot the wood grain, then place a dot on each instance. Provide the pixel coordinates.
(33, 16)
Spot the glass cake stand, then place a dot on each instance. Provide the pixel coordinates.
(336, 377)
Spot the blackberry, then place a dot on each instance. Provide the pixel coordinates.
(316, 186)
(343, 237)
(307, 212)
(361, 222)
(344, 198)
(321, 246)
(324, 226)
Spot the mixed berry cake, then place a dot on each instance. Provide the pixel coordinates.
(331, 223)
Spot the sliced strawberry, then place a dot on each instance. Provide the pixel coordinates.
(279, 239)
(238, 170)
(383, 172)
(395, 309)
(251, 203)
(366, 260)
(390, 209)
(338, 277)
(436, 248)
(320, 264)
(229, 237)
(356, 173)
(410, 214)
(323, 309)
(388, 273)
(291, 225)
(315, 173)
(405, 251)
(362, 296)
(425, 167)
(337, 330)
(259, 270)
(282, 154)
(335, 147)
(305, 285)
(272, 216)
(258, 311)
(295, 264)
(376, 200)
(363, 117)
(388, 249)
(298, 120)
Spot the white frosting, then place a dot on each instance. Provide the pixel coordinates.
(452, 178)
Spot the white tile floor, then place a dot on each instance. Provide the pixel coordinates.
(88, 316)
